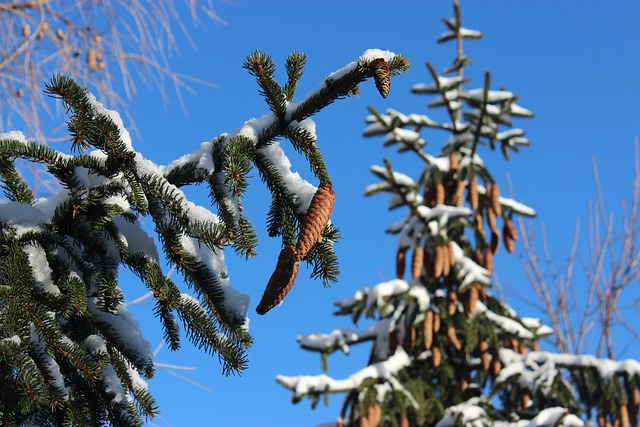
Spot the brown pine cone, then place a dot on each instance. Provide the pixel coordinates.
(491, 219)
(452, 302)
(381, 75)
(471, 300)
(374, 415)
(439, 261)
(456, 197)
(510, 235)
(417, 262)
(633, 402)
(453, 338)
(485, 357)
(281, 281)
(446, 261)
(495, 241)
(401, 264)
(315, 220)
(404, 421)
(494, 199)
(454, 161)
(623, 415)
(472, 193)
(427, 329)
(488, 261)
(440, 193)
(436, 356)
(436, 322)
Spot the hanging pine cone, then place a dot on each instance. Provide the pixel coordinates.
(439, 261)
(488, 261)
(454, 161)
(381, 75)
(410, 339)
(495, 241)
(436, 356)
(510, 235)
(427, 329)
(401, 263)
(281, 281)
(485, 357)
(623, 415)
(494, 199)
(316, 219)
(471, 300)
(404, 421)
(374, 415)
(453, 338)
(417, 262)
(479, 223)
(440, 193)
(472, 193)
(452, 302)
(633, 401)
(491, 219)
(458, 192)
(436, 322)
(496, 364)
(446, 261)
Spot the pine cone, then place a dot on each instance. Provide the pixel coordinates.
(381, 75)
(471, 300)
(488, 261)
(404, 421)
(491, 219)
(281, 281)
(438, 261)
(454, 160)
(623, 415)
(453, 338)
(436, 322)
(496, 365)
(535, 346)
(316, 219)
(510, 235)
(436, 356)
(374, 415)
(417, 262)
(485, 357)
(633, 402)
(439, 193)
(480, 223)
(472, 193)
(410, 339)
(400, 262)
(427, 329)
(495, 241)
(456, 197)
(446, 261)
(452, 302)
(494, 199)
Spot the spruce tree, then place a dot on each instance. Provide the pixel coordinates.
(445, 351)
(70, 352)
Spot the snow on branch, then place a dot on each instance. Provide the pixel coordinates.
(304, 385)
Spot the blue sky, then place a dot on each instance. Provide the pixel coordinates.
(576, 64)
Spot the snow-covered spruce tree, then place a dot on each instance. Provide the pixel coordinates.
(445, 351)
(70, 352)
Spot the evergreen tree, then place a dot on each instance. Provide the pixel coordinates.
(70, 352)
(444, 350)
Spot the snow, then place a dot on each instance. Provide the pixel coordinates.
(340, 338)
(48, 362)
(467, 413)
(138, 241)
(234, 301)
(296, 185)
(14, 339)
(99, 108)
(123, 324)
(468, 271)
(506, 324)
(21, 216)
(15, 135)
(399, 178)
(40, 269)
(384, 370)
(517, 207)
(493, 96)
(95, 344)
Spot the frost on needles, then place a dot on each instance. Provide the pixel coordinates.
(444, 350)
(70, 352)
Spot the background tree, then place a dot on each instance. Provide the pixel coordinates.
(70, 352)
(598, 320)
(445, 351)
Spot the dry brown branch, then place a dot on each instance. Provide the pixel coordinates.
(591, 308)
(107, 45)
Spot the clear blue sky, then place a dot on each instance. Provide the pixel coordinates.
(576, 64)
